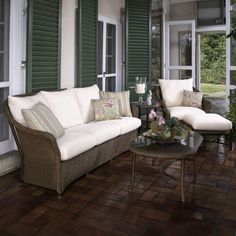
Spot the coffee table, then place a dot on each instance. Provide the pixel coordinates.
(182, 150)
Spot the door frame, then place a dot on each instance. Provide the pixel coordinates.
(207, 30)
(17, 57)
(169, 67)
(108, 20)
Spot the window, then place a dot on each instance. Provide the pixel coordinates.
(4, 63)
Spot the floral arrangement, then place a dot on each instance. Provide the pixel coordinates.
(171, 129)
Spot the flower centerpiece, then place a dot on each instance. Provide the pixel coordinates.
(171, 129)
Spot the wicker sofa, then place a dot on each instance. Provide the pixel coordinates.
(55, 163)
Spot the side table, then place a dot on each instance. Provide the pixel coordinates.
(138, 107)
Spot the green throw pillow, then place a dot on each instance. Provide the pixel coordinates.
(106, 109)
(41, 118)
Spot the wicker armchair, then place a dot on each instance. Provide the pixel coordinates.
(206, 104)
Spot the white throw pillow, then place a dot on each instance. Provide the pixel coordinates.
(84, 97)
(17, 103)
(172, 90)
(64, 106)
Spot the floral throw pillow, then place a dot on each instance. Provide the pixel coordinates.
(106, 109)
(192, 99)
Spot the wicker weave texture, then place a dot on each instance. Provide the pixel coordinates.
(41, 159)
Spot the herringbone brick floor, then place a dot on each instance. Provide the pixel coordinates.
(99, 204)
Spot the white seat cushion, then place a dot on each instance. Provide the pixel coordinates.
(208, 121)
(102, 132)
(72, 144)
(126, 124)
(84, 97)
(17, 103)
(65, 107)
(180, 112)
(172, 90)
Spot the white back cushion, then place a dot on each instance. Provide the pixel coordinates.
(17, 103)
(84, 97)
(172, 90)
(64, 106)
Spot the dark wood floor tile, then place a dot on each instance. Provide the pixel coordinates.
(100, 204)
(156, 215)
(33, 215)
(21, 229)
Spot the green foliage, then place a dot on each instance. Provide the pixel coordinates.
(213, 58)
(231, 115)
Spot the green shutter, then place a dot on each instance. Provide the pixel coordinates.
(86, 43)
(43, 45)
(138, 42)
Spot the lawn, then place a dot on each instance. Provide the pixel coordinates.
(213, 89)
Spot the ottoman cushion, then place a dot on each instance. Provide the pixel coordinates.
(208, 121)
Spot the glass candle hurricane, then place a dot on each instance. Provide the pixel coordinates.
(140, 87)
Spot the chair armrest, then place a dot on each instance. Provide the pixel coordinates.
(206, 105)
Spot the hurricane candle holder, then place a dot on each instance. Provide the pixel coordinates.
(140, 88)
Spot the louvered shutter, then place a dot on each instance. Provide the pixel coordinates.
(137, 41)
(86, 63)
(43, 45)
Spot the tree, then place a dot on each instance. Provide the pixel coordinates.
(213, 58)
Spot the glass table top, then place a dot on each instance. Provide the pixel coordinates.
(176, 150)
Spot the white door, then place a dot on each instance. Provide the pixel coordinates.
(6, 144)
(180, 50)
(107, 54)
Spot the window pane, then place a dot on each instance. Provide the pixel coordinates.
(2, 12)
(111, 84)
(180, 45)
(156, 4)
(2, 37)
(156, 49)
(210, 12)
(99, 83)
(233, 77)
(233, 42)
(185, 40)
(100, 46)
(1, 67)
(180, 74)
(4, 130)
(111, 49)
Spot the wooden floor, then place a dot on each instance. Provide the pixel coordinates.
(99, 204)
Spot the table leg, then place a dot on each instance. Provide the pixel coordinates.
(194, 170)
(147, 118)
(133, 155)
(182, 180)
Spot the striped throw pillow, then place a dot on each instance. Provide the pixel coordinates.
(123, 98)
(41, 118)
